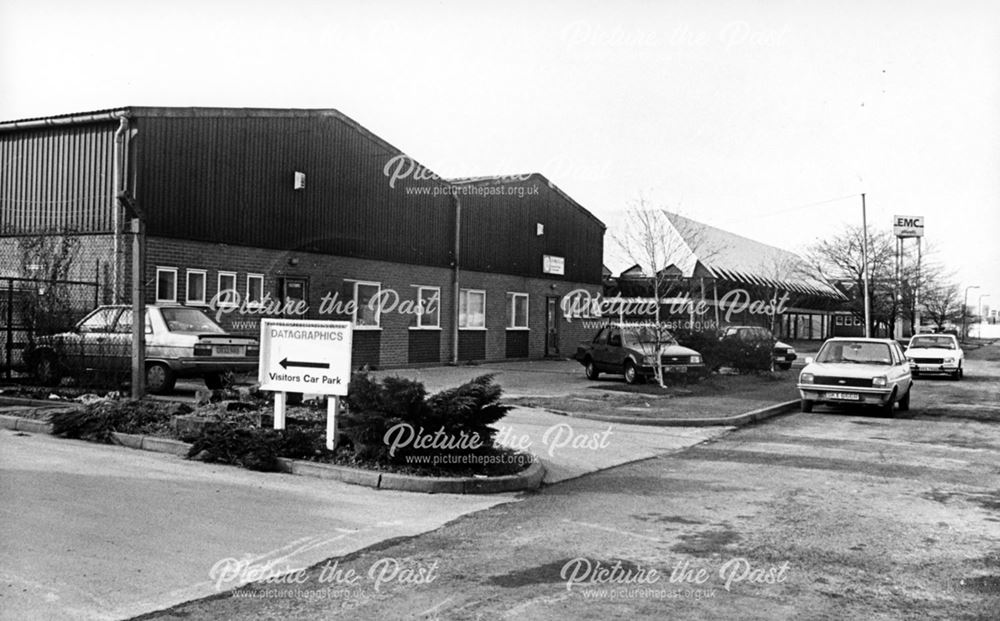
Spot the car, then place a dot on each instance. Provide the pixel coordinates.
(935, 354)
(180, 342)
(782, 354)
(862, 371)
(631, 351)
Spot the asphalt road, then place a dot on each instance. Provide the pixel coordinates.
(92, 531)
(830, 515)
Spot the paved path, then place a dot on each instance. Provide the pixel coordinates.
(572, 447)
(101, 532)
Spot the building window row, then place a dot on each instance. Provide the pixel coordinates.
(196, 284)
(367, 310)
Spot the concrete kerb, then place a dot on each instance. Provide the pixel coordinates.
(529, 479)
(738, 420)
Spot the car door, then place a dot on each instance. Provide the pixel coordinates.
(599, 349)
(94, 336)
(615, 357)
(119, 342)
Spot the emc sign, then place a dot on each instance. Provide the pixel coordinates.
(908, 226)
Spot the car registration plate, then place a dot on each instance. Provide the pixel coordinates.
(228, 350)
(843, 396)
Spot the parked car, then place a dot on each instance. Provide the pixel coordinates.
(631, 351)
(782, 354)
(180, 342)
(935, 354)
(863, 371)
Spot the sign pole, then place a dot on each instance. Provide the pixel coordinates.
(332, 406)
(279, 409)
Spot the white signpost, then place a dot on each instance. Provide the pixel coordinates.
(306, 356)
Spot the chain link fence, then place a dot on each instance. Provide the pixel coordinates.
(48, 284)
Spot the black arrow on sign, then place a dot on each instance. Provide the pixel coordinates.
(306, 365)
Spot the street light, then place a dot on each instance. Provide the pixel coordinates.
(981, 318)
(965, 305)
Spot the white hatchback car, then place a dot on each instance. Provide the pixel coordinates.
(861, 371)
(935, 353)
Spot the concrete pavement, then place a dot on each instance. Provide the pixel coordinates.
(102, 532)
(573, 447)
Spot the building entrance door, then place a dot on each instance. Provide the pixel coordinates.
(551, 326)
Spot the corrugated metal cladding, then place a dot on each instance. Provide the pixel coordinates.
(57, 179)
(229, 178)
(499, 231)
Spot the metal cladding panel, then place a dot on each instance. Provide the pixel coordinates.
(499, 231)
(57, 179)
(229, 179)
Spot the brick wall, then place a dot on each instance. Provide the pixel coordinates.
(396, 343)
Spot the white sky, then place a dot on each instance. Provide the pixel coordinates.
(743, 115)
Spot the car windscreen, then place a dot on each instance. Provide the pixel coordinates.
(937, 342)
(189, 320)
(858, 352)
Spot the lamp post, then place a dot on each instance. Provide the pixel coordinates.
(965, 306)
(867, 276)
(981, 318)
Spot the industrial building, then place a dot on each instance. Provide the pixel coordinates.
(301, 213)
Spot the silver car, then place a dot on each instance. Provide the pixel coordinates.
(180, 342)
(860, 371)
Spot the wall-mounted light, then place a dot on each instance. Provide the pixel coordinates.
(300, 180)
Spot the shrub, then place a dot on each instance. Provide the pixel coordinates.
(98, 420)
(373, 408)
(254, 449)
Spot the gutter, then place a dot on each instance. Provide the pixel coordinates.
(456, 303)
(74, 119)
(119, 188)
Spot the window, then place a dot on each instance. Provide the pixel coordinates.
(255, 288)
(517, 311)
(472, 309)
(839, 320)
(124, 325)
(100, 320)
(429, 299)
(166, 284)
(228, 294)
(367, 309)
(196, 287)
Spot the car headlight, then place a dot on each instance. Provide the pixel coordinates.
(695, 359)
(880, 382)
(909, 358)
(949, 360)
(806, 378)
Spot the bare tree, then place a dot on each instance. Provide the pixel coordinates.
(839, 259)
(943, 303)
(662, 249)
(47, 259)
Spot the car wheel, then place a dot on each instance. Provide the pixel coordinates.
(214, 381)
(159, 379)
(887, 407)
(958, 374)
(807, 405)
(47, 371)
(631, 373)
(785, 366)
(904, 403)
(591, 370)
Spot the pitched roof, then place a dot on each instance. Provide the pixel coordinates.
(741, 259)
